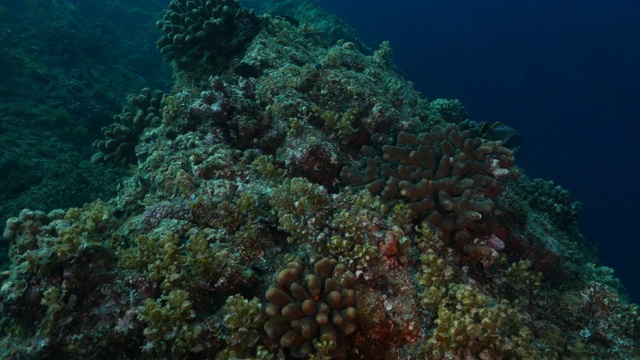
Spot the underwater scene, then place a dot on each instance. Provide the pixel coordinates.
(301, 179)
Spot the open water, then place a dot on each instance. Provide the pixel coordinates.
(565, 74)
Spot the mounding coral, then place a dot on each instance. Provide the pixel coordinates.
(122, 136)
(311, 205)
(197, 28)
(310, 306)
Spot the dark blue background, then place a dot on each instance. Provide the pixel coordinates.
(565, 74)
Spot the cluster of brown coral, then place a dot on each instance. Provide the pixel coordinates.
(552, 200)
(195, 28)
(121, 137)
(311, 306)
(447, 176)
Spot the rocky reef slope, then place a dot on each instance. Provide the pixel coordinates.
(293, 198)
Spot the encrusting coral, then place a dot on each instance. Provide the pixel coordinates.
(301, 200)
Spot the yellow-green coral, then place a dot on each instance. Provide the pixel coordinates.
(236, 211)
(470, 323)
(159, 256)
(400, 215)
(55, 303)
(434, 275)
(243, 320)
(346, 250)
(266, 166)
(172, 263)
(358, 224)
(298, 205)
(205, 258)
(84, 226)
(434, 272)
(522, 279)
(169, 325)
(364, 229)
(324, 346)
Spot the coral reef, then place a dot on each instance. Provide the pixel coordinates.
(243, 319)
(63, 294)
(302, 200)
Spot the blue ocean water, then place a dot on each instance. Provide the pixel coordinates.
(565, 74)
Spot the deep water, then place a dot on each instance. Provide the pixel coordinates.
(565, 74)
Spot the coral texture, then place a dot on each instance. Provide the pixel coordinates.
(446, 176)
(550, 199)
(122, 136)
(449, 111)
(311, 305)
(195, 28)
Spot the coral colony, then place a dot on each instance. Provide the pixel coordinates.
(292, 197)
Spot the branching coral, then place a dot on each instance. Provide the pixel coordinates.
(446, 176)
(364, 229)
(298, 205)
(64, 290)
(171, 262)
